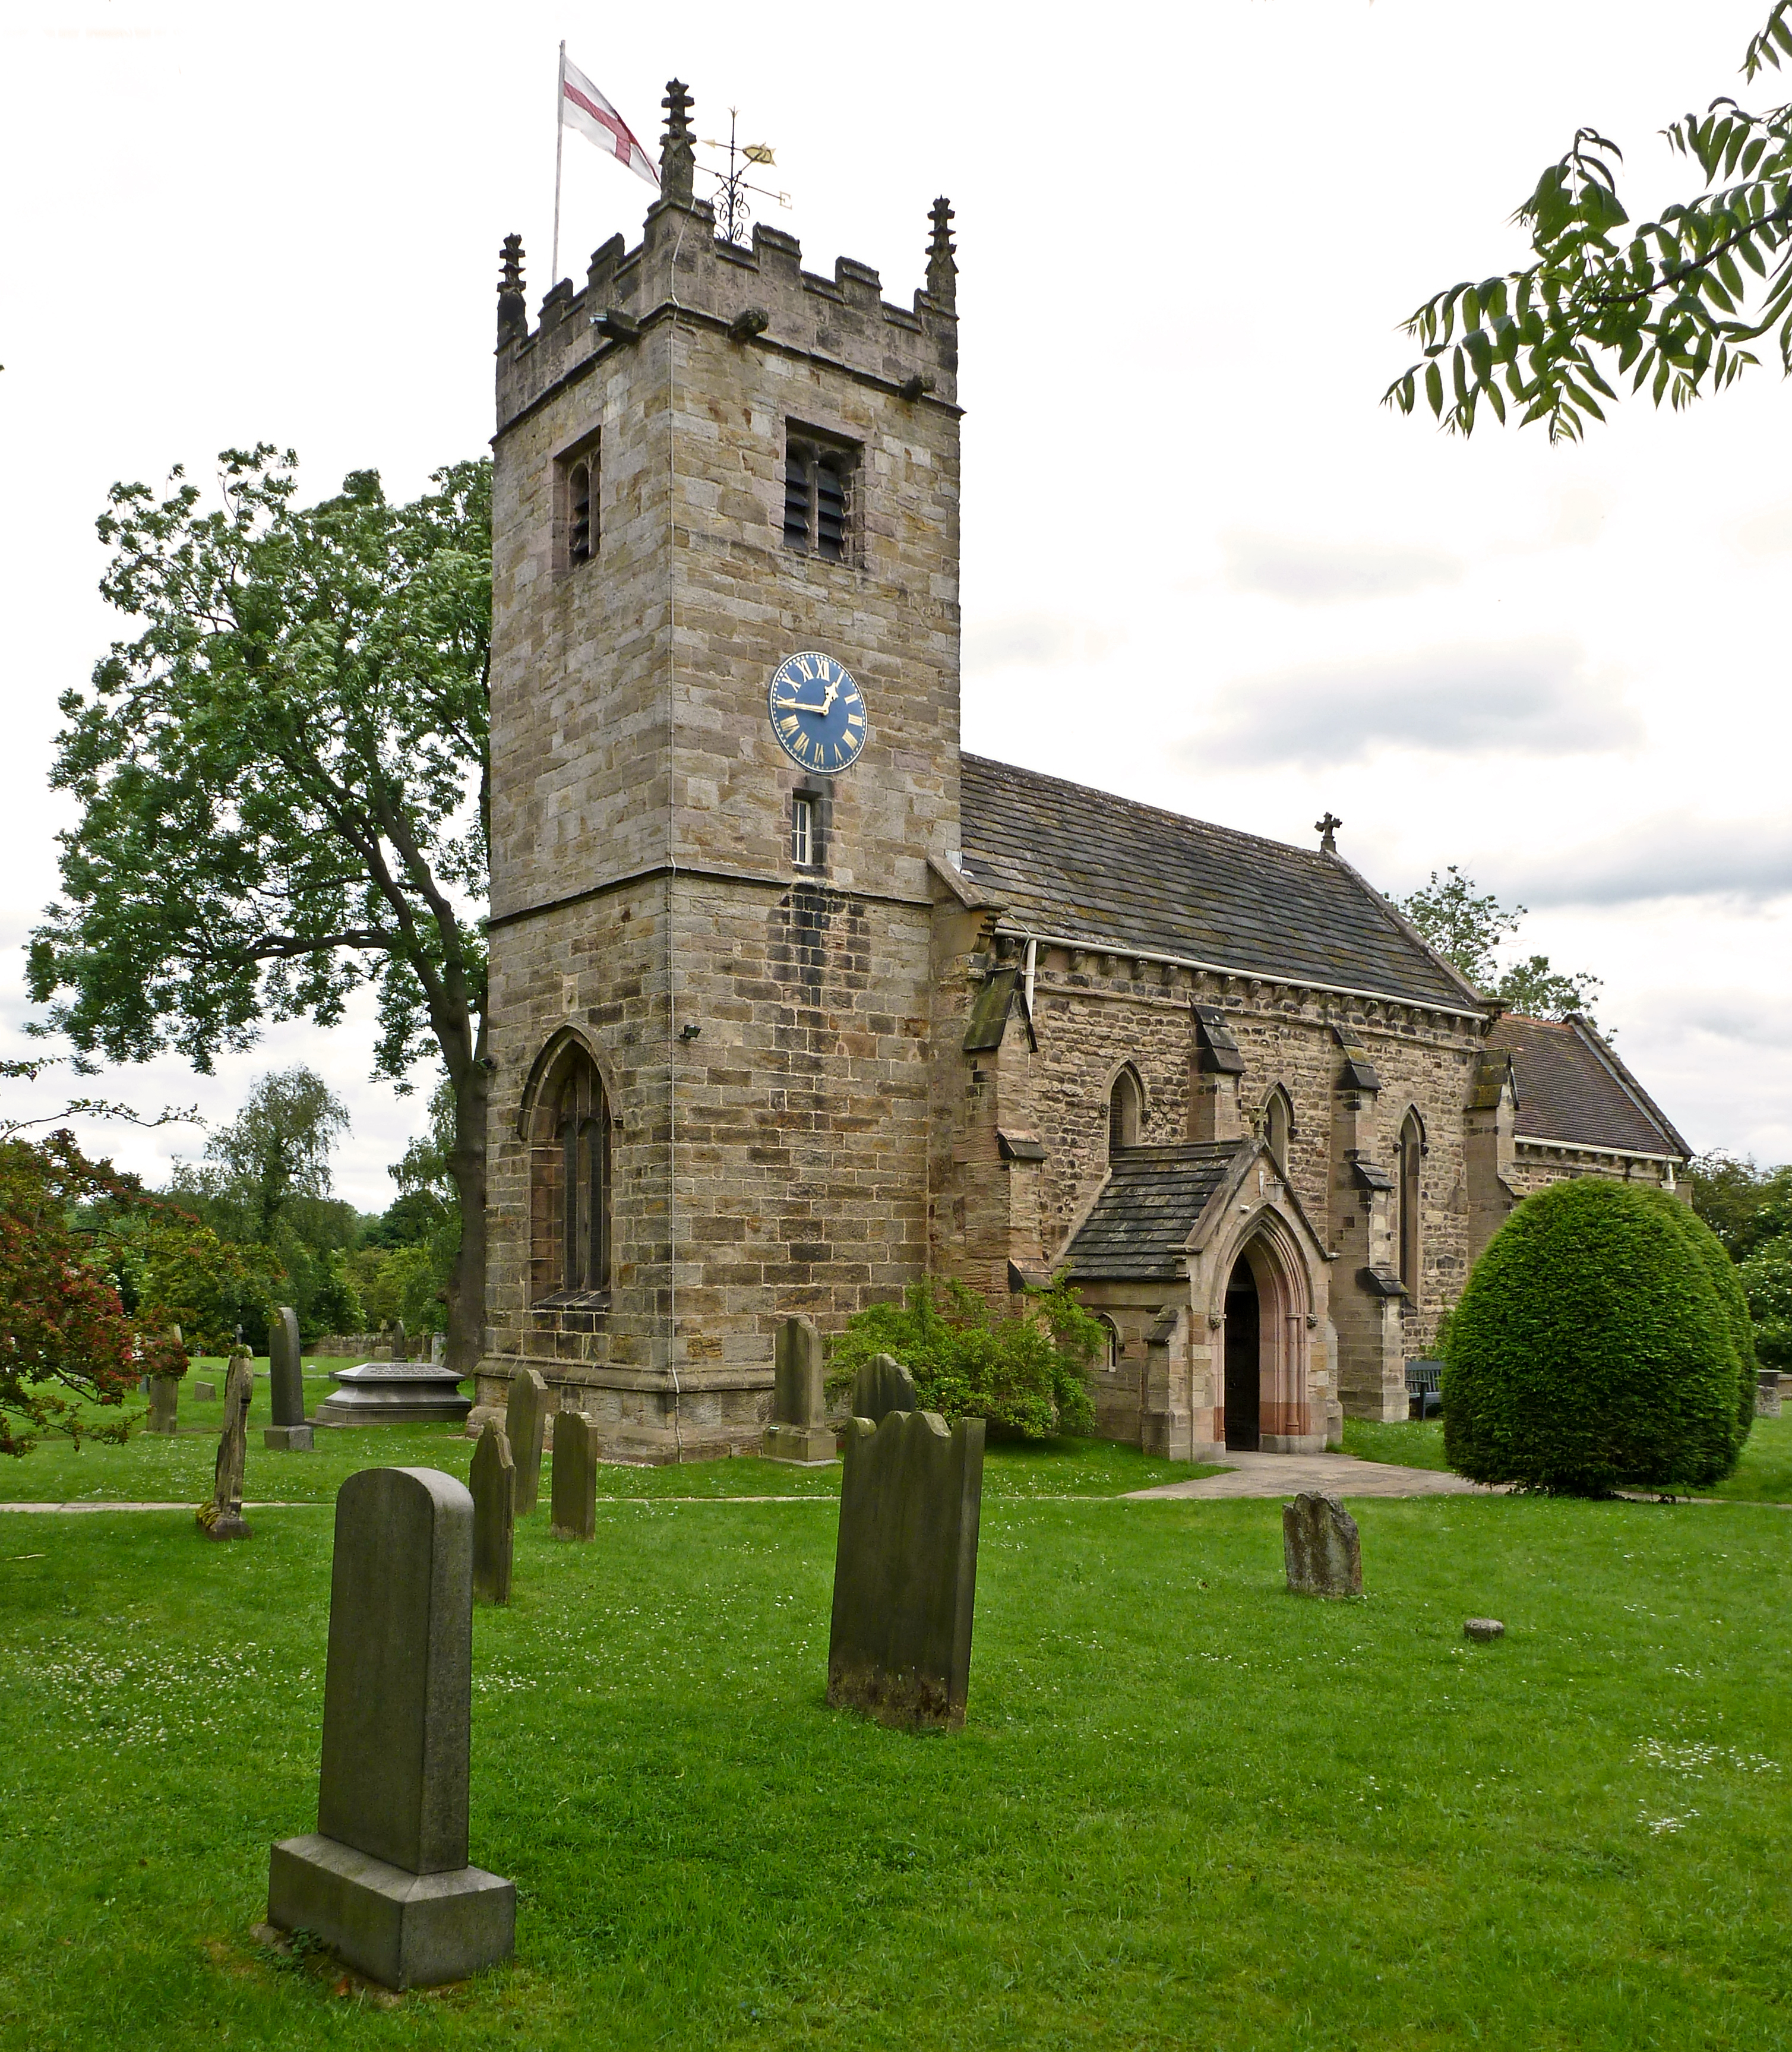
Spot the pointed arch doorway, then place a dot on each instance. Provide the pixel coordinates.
(1244, 1370)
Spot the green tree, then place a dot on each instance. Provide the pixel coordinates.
(278, 1146)
(284, 790)
(408, 1255)
(1745, 1206)
(1467, 926)
(1671, 304)
(1766, 1281)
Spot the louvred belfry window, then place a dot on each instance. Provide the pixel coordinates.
(818, 497)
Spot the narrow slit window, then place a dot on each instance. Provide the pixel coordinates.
(579, 511)
(802, 832)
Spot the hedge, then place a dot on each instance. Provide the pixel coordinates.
(1599, 1343)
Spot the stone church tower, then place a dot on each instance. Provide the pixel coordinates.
(792, 1003)
(711, 985)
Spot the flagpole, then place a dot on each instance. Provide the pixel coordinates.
(559, 144)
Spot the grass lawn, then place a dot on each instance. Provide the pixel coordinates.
(1763, 1475)
(153, 1469)
(1188, 1810)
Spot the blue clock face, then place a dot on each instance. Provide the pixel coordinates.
(817, 712)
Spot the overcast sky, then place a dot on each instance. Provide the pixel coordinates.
(1202, 566)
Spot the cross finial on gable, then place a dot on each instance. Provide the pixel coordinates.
(677, 155)
(942, 271)
(1327, 830)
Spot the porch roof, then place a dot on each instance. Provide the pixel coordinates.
(1139, 1226)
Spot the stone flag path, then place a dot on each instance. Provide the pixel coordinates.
(1338, 1474)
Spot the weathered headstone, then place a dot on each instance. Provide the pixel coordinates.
(525, 1426)
(289, 1432)
(164, 1403)
(1320, 1546)
(1766, 1392)
(798, 1430)
(222, 1518)
(574, 1508)
(401, 1347)
(205, 1392)
(438, 1348)
(881, 1386)
(906, 1568)
(493, 1482)
(384, 1879)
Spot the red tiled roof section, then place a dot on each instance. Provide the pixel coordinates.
(1573, 1089)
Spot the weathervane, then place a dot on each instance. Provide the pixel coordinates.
(734, 217)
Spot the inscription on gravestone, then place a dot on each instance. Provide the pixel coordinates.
(798, 1430)
(384, 1879)
(222, 1518)
(493, 1482)
(289, 1432)
(574, 1508)
(881, 1386)
(525, 1419)
(906, 1568)
(1321, 1547)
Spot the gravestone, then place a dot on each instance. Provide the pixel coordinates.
(798, 1430)
(492, 1479)
(401, 1347)
(525, 1419)
(1321, 1547)
(222, 1518)
(1484, 1630)
(289, 1433)
(881, 1386)
(384, 1879)
(906, 1569)
(164, 1404)
(1766, 1392)
(574, 1509)
(205, 1392)
(438, 1348)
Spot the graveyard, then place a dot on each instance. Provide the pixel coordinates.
(1184, 1806)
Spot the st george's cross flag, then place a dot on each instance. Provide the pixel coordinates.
(584, 107)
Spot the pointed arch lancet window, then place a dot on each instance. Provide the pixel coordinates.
(1406, 1202)
(1123, 1111)
(570, 1172)
(1278, 1126)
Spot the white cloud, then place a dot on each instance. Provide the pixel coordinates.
(1315, 571)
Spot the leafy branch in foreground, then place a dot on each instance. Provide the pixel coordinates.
(1671, 304)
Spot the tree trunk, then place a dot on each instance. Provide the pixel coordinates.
(466, 1289)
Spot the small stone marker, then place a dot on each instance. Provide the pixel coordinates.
(906, 1569)
(1483, 1629)
(289, 1433)
(384, 1879)
(205, 1392)
(881, 1386)
(1320, 1546)
(798, 1430)
(574, 1510)
(164, 1404)
(438, 1348)
(1766, 1392)
(222, 1518)
(525, 1419)
(493, 1482)
(401, 1346)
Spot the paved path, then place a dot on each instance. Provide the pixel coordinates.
(186, 1507)
(1286, 1474)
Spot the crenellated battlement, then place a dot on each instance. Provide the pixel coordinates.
(761, 297)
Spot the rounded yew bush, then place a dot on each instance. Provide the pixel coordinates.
(1596, 1343)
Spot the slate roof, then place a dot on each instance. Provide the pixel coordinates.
(1085, 865)
(1143, 1218)
(1572, 1088)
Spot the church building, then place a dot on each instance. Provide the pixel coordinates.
(794, 1004)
